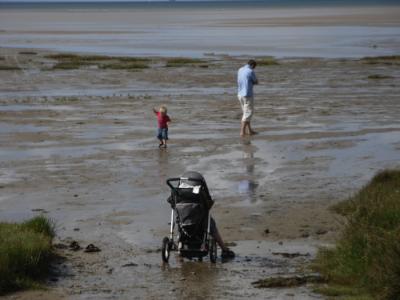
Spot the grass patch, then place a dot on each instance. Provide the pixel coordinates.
(72, 61)
(183, 61)
(25, 252)
(132, 59)
(62, 56)
(279, 281)
(337, 291)
(378, 76)
(75, 57)
(68, 61)
(69, 65)
(64, 100)
(267, 61)
(9, 68)
(125, 66)
(367, 256)
(387, 60)
(28, 52)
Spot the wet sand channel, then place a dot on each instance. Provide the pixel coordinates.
(79, 146)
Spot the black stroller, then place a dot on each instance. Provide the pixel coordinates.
(191, 203)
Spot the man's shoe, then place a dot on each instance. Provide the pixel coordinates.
(226, 254)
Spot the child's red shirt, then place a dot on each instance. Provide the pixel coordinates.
(162, 120)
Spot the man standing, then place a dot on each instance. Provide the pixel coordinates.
(246, 79)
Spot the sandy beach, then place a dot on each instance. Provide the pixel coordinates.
(79, 146)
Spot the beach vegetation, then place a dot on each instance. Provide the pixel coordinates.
(183, 61)
(74, 61)
(27, 53)
(267, 61)
(366, 258)
(125, 66)
(69, 65)
(25, 253)
(63, 100)
(68, 61)
(132, 59)
(342, 292)
(386, 60)
(9, 68)
(76, 57)
(62, 56)
(290, 281)
(379, 76)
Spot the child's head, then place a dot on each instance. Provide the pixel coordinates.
(163, 109)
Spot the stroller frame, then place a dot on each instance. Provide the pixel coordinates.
(208, 245)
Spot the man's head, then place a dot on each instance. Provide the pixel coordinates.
(252, 63)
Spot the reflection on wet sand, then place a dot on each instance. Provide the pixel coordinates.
(248, 186)
(163, 164)
(201, 275)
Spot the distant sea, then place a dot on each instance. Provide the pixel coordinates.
(191, 4)
(330, 28)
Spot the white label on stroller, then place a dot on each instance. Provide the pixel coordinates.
(196, 189)
(184, 185)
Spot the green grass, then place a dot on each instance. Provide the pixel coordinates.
(267, 61)
(132, 59)
(75, 57)
(367, 256)
(25, 252)
(64, 100)
(62, 56)
(279, 281)
(28, 52)
(378, 76)
(183, 61)
(72, 61)
(69, 65)
(337, 291)
(68, 61)
(125, 66)
(9, 68)
(387, 60)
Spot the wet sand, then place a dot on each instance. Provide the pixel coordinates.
(79, 146)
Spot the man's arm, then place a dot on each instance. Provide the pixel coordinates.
(155, 110)
(254, 78)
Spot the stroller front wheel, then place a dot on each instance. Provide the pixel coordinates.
(165, 249)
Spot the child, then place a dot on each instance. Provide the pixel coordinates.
(163, 121)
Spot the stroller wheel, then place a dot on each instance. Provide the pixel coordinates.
(213, 251)
(165, 249)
